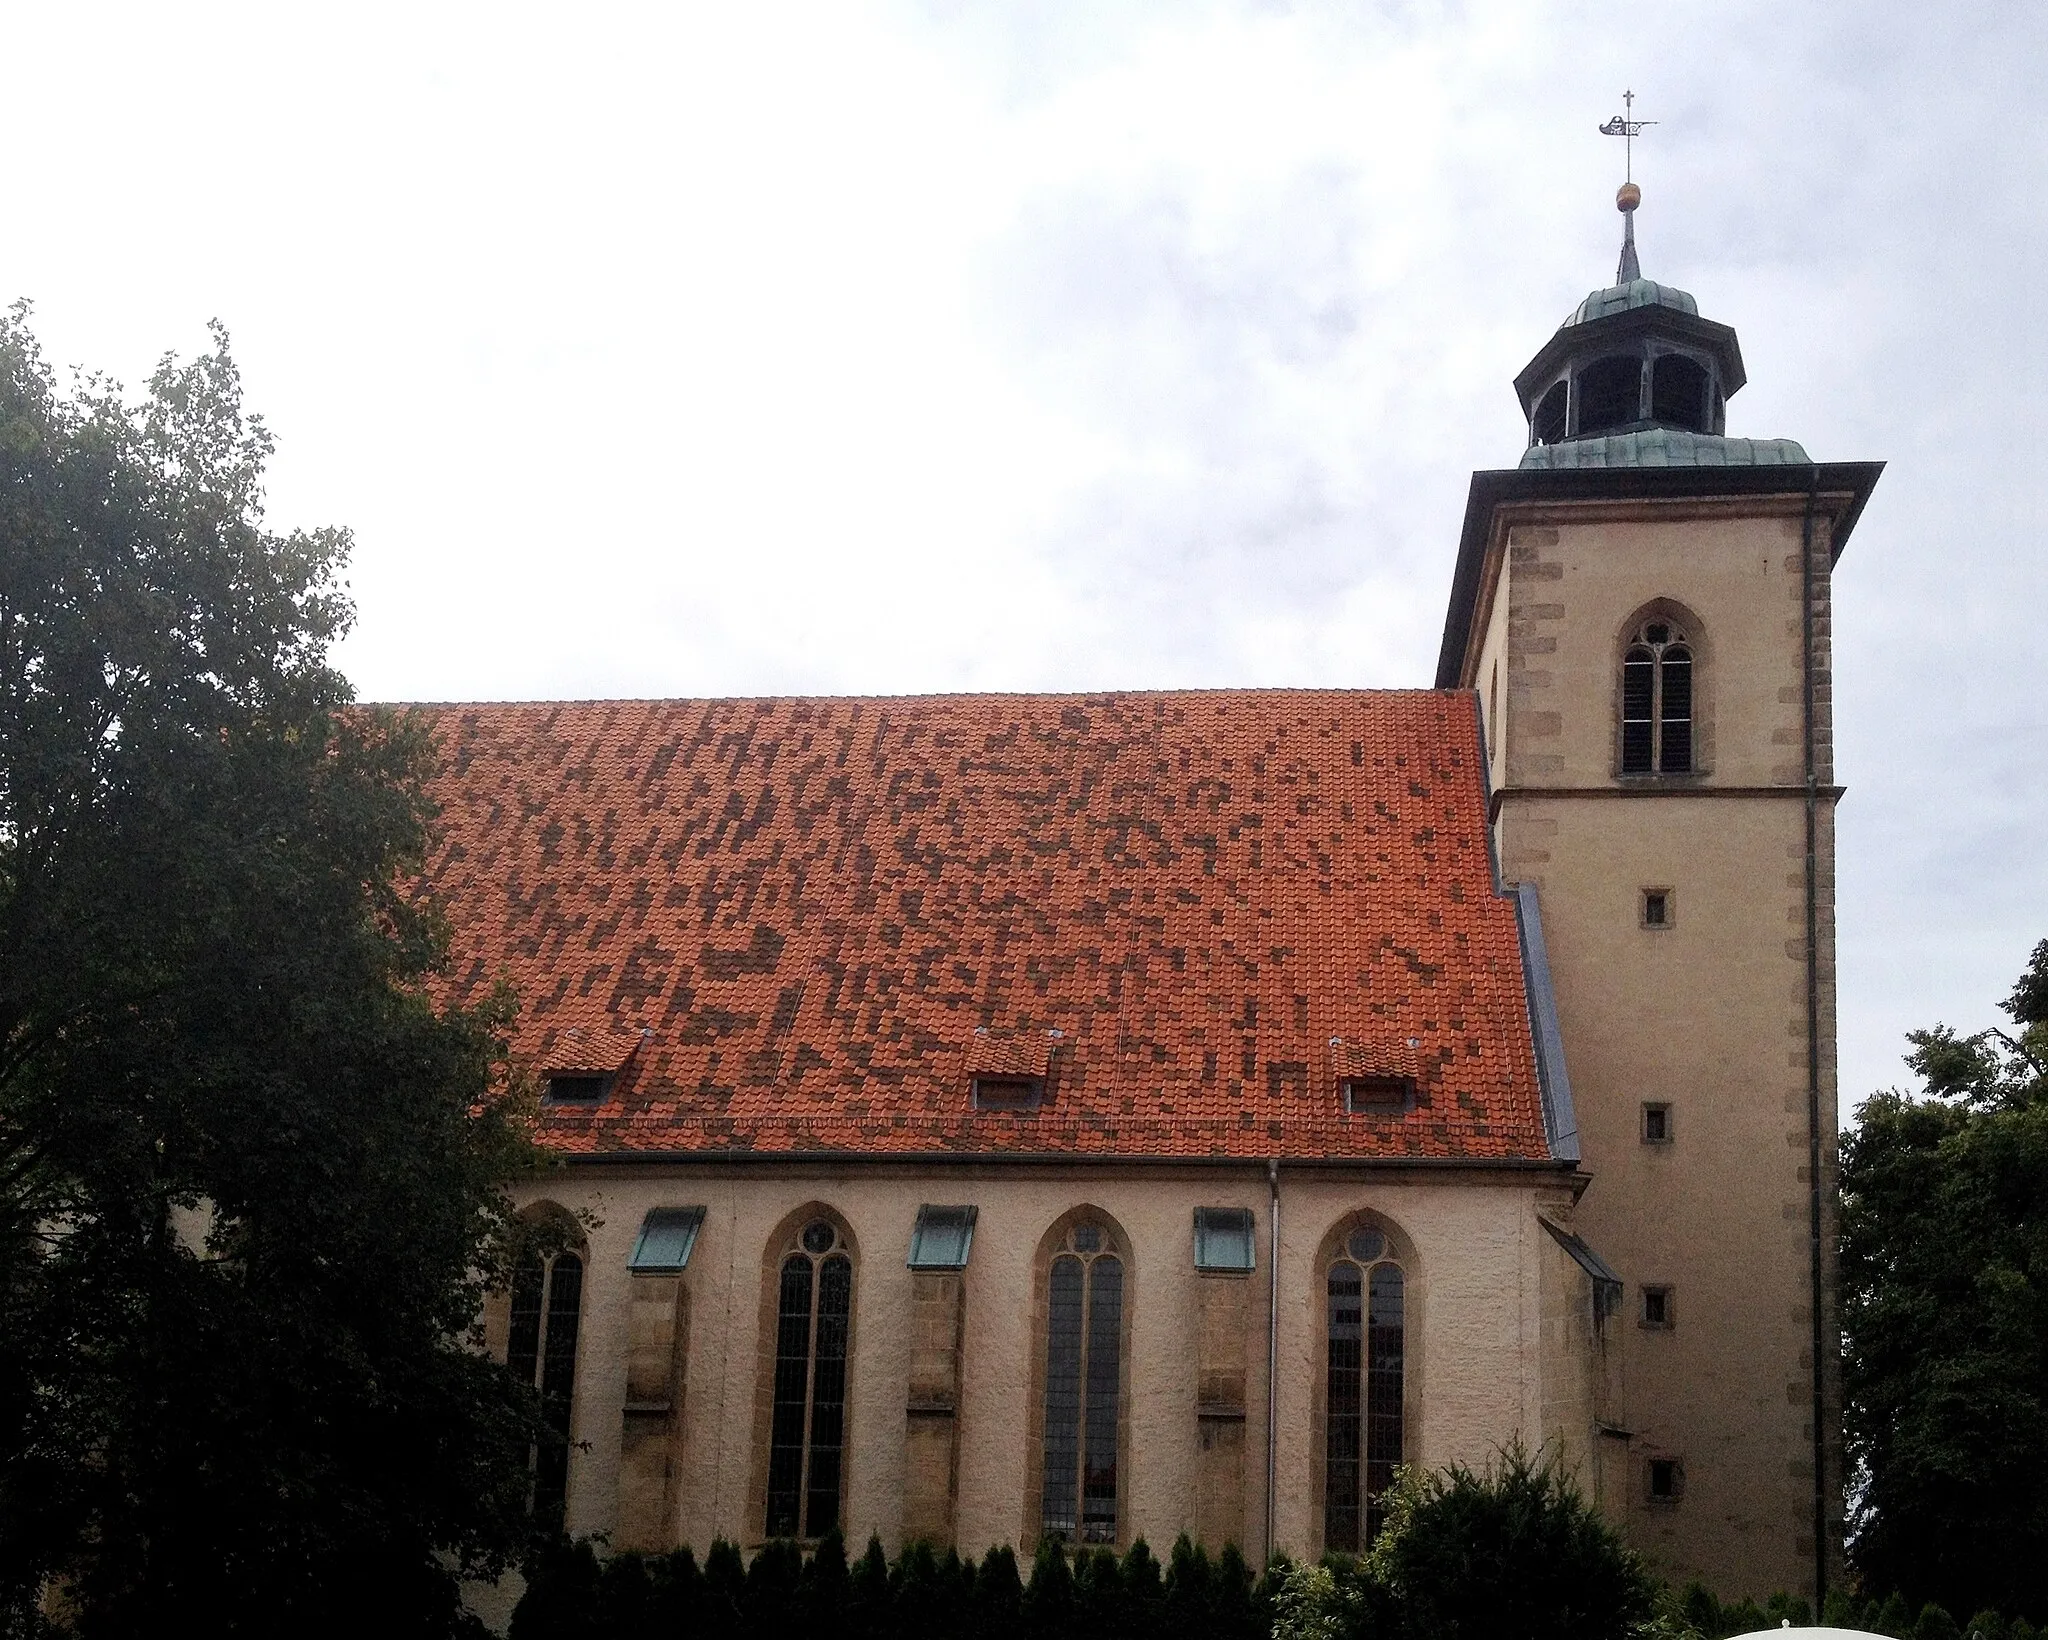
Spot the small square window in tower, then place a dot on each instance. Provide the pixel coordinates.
(668, 1235)
(1656, 1123)
(1666, 1477)
(1660, 1308)
(942, 1238)
(1659, 908)
(1223, 1240)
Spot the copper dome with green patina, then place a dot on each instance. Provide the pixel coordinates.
(1636, 377)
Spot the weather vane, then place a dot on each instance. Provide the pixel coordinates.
(1628, 130)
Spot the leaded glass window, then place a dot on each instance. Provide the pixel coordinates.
(807, 1430)
(1083, 1383)
(547, 1308)
(1366, 1295)
(1656, 701)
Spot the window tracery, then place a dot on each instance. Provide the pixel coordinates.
(547, 1310)
(1364, 1419)
(807, 1428)
(1083, 1385)
(1657, 700)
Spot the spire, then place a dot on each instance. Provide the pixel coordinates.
(1626, 202)
(1627, 127)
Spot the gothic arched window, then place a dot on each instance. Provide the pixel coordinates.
(1364, 1417)
(547, 1308)
(1083, 1385)
(807, 1431)
(1656, 701)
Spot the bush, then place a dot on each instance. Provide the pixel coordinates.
(1935, 1624)
(1313, 1604)
(573, 1595)
(1515, 1549)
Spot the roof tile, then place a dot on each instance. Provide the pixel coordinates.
(815, 919)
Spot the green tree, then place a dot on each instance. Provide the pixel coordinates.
(1944, 1283)
(1319, 1603)
(769, 1605)
(996, 1611)
(1935, 1624)
(1049, 1605)
(869, 1604)
(250, 1169)
(1514, 1549)
(824, 1589)
(725, 1591)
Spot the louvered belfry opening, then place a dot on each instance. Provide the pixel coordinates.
(1083, 1383)
(807, 1434)
(1366, 1293)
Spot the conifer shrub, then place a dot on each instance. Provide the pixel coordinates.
(868, 1606)
(1514, 1549)
(996, 1606)
(1985, 1625)
(561, 1593)
(1934, 1623)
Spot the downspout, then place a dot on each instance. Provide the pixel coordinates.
(1813, 1144)
(1272, 1344)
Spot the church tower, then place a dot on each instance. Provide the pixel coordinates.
(1642, 607)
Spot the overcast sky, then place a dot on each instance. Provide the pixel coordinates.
(732, 349)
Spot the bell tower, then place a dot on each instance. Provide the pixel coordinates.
(1641, 606)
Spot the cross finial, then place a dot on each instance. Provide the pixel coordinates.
(1625, 126)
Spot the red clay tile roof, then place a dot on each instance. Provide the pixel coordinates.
(1190, 908)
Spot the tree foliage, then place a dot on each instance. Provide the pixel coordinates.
(249, 1171)
(1512, 1549)
(1944, 1272)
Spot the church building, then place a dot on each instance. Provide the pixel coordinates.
(1123, 1114)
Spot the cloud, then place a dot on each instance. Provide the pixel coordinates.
(725, 350)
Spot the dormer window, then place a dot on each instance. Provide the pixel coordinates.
(578, 1088)
(1009, 1069)
(1656, 701)
(1008, 1092)
(1377, 1095)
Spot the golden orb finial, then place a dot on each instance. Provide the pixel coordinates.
(1628, 197)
